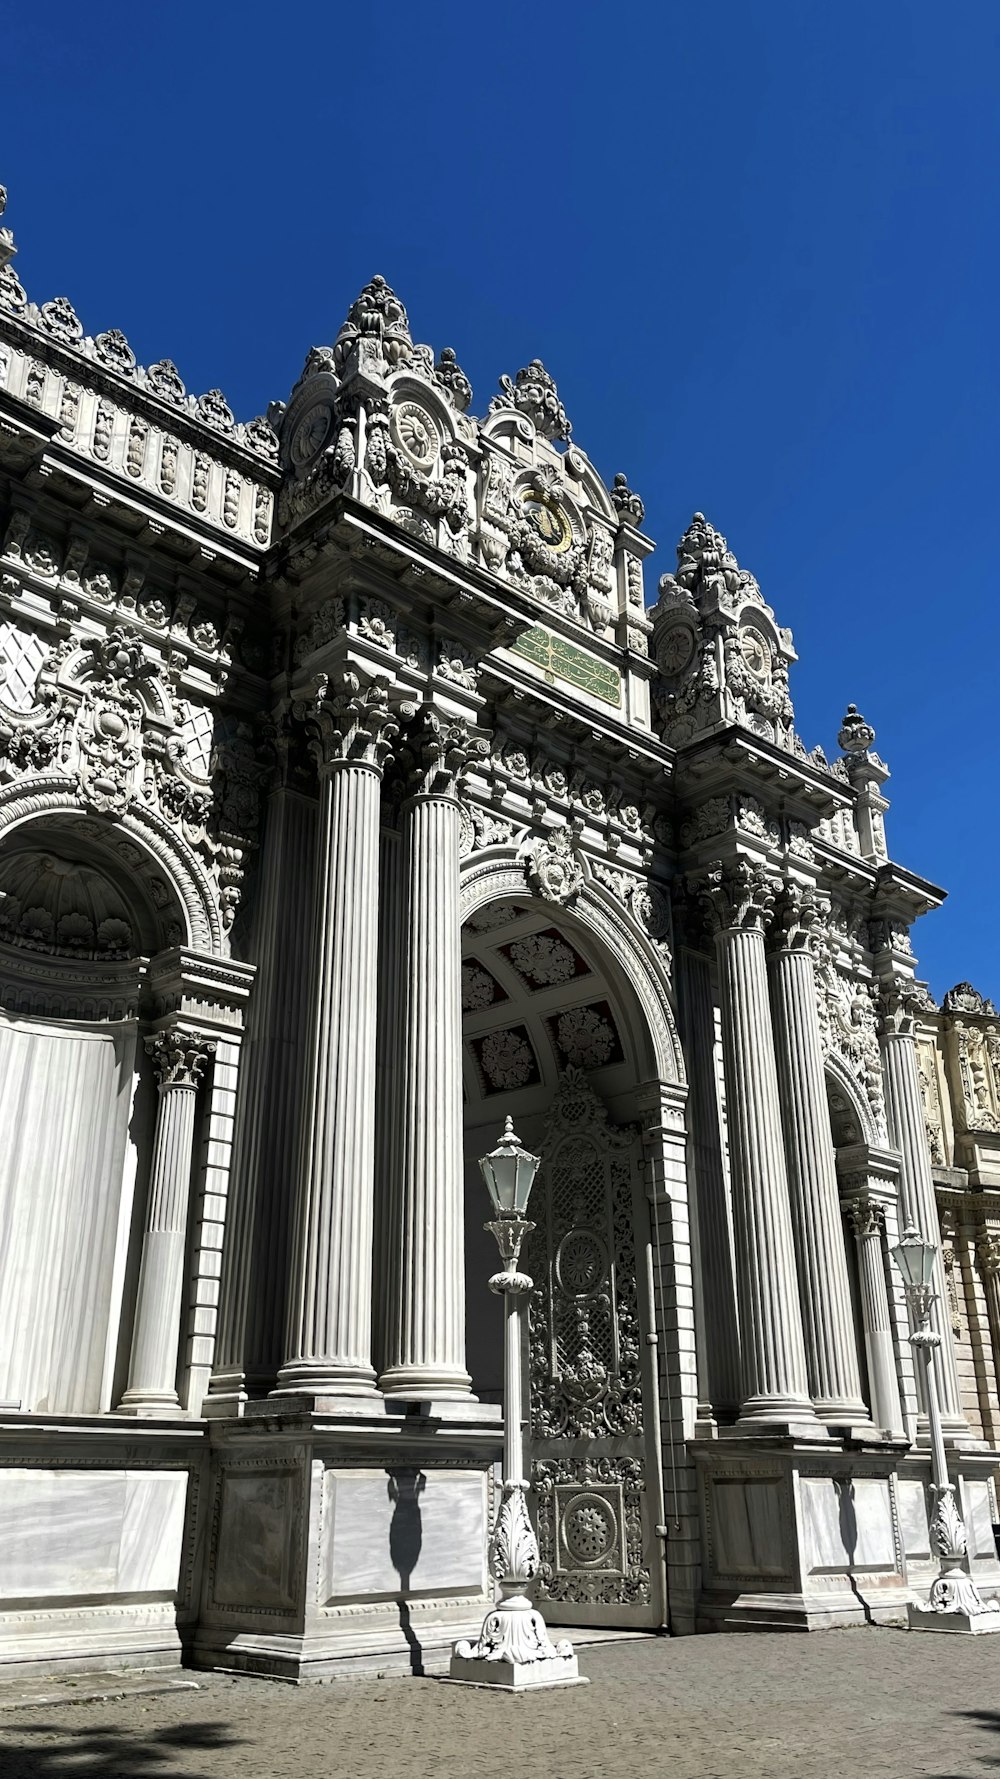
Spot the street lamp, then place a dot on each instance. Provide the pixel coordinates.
(955, 1602)
(514, 1650)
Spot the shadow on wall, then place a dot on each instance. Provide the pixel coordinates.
(405, 1488)
(50, 1751)
(849, 1536)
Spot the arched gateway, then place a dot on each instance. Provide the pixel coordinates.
(353, 798)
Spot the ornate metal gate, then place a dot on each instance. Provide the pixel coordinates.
(588, 1371)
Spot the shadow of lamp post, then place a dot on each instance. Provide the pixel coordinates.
(955, 1603)
(514, 1650)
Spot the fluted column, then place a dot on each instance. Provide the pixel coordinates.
(425, 1306)
(739, 901)
(252, 1310)
(867, 1219)
(917, 1202)
(814, 1196)
(329, 1329)
(179, 1059)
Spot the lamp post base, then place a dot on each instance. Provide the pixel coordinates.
(969, 1624)
(514, 1651)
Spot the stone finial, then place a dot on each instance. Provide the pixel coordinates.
(704, 561)
(855, 735)
(453, 380)
(963, 998)
(626, 501)
(533, 392)
(376, 315)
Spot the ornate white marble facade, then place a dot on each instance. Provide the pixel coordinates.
(352, 797)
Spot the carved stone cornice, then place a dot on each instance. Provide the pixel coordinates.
(352, 722)
(739, 897)
(179, 1058)
(435, 750)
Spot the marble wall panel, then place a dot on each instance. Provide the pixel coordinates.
(257, 1528)
(912, 1500)
(846, 1525)
(152, 1531)
(746, 1521)
(978, 1512)
(89, 1533)
(402, 1531)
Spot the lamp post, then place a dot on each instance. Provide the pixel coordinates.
(514, 1650)
(955, 1603)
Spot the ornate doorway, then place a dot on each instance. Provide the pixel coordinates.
(589, 1371)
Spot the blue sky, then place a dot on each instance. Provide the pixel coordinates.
(755, 244)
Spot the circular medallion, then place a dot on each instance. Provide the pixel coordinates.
(548, 520)
(415, 433)
(589, 1530)
(676, 649)
(756, 652)
(581, 1263)
(310, 435)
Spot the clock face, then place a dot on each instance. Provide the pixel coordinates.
(548, 520)
(756, 652)
(310, 436)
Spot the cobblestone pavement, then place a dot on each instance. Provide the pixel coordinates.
(832, 1705)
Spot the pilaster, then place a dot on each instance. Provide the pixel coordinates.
(256, 1256)
(918, 1205)
(179, 1059)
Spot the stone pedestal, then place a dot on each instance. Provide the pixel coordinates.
(798, 1537)
(739, 902)
(329, 1308)
(353, 1541)
(179, 1059)
(817, 1224)
(425, 1299)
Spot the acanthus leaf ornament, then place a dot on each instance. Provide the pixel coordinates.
(739, 897)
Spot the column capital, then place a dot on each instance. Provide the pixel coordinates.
(179, 1058)
(800, 919)
(866, 1215)
(988, 1252)
(739, 897)
(898, 1003)
(348, 721)
(434, 750)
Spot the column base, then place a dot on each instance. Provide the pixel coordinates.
(316, 1377)
(418, 1383)
(151, 1404)
(776, 1416)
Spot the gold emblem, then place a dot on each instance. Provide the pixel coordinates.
(548, 520)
